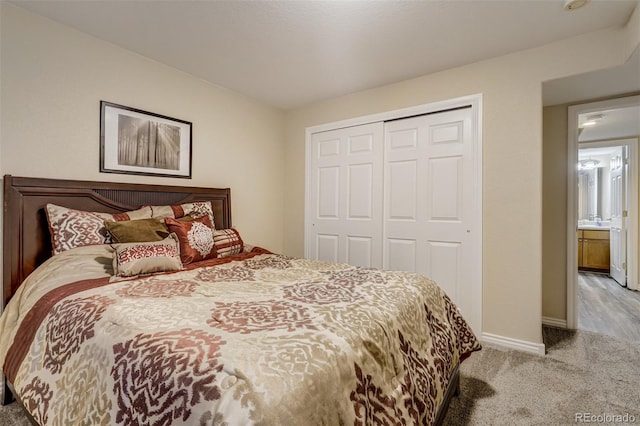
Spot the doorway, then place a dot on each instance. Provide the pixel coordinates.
(604, 304)
(581, 117)
(605, 200)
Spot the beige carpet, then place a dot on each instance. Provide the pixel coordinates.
(11, 415)
(582, 373)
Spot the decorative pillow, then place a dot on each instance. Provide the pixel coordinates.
(71, 228)
(227, 242)
(176, 211)
(137, 231)
(131, 259)
(196, 238)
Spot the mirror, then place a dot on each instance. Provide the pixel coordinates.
(590, 194)
(594, 180)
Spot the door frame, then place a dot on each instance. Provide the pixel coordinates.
(475, 102)
(572, 201)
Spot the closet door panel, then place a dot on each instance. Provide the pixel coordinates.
(437, 151)
(328, 191)
(449, 132)
(328, 149)
(402, 140)
(361, 144)
(346, 195)
(444, 264)
(403, 186)
(360, 195)
(360, 251)
(401, 254)
(401, 195)
(444, 192)
(327, 247)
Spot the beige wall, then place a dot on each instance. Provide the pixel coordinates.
(512, 152)
(554, 212)
(52, 81)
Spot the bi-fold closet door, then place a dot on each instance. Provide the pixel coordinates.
(397, 195)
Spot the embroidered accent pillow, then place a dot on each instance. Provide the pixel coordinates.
(71, 228)
(131, 259)
(227, 242)
(137, 231)
(176, 211)
(196, 238)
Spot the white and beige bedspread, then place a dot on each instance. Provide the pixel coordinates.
(256, 338)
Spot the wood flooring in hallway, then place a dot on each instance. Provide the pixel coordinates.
(606, 307)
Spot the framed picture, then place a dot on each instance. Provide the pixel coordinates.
(139, 142)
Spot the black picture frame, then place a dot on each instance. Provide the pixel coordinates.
(133, 141)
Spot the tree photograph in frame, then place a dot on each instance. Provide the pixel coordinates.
(133, 141)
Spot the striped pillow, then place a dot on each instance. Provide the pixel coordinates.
(227, 242)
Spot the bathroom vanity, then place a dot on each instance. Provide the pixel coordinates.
(593, 249)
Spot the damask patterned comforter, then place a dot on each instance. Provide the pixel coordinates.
(255, 338)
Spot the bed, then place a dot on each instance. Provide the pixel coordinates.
(248, 337)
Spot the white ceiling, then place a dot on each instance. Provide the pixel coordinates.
(596, 84)
(291, 53)
(615, 124)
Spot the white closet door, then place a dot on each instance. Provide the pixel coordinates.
(429, 200)
(346, 196)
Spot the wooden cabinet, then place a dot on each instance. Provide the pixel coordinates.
(580, 237)
(593, 249)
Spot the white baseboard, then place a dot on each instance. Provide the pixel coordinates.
(554, 322)
(519, 345)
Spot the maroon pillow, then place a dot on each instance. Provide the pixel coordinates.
(196, 238)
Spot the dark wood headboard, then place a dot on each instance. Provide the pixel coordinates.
(27, 242)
